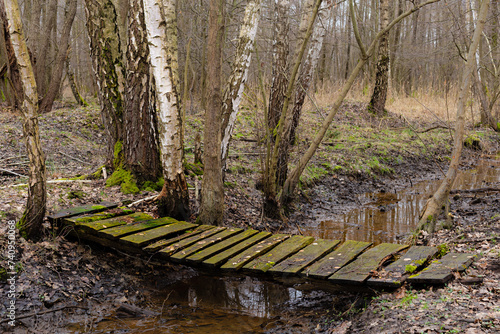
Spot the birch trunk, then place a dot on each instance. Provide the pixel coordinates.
(239, 73)
(108, 68)
(30, 225)
(140, 149)
(9, 73)
(293, 179)
(434, 205)
(303, 84)
(212, 200)
(379, 96)
(160, 19)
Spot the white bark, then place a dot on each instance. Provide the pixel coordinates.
(234, 88)
(157, 13)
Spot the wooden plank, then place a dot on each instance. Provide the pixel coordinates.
(221, 246)
(79, 210)
(305, 257)
(202, 244)
(396, 273)
(142, 238)
(285, 249)
(96, 226)
(251, 253)
(336, 259)
(86, 218)
(220, 258)
(187, 242)
(156, 246)
(441, 271)
(359, 270)
(123, 230)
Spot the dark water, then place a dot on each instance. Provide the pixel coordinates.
(389, 217)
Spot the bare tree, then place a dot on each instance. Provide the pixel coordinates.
(30, 224)
(434, 205)
(212, 200)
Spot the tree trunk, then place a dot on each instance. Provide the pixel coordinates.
(434, 205)
(108, 68)
(43, 41)
(9, 74)
(293, 179)
(62, 53)
(74, 88)
(30, 225)
(233, 92)
(212, 200)
(301, 88)
(140, 149)
(379, 96)
(160, 19)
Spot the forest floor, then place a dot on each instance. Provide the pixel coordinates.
(64, 286)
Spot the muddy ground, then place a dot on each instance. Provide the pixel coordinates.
(64, 286)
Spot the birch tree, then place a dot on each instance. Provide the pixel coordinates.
(30, 224)
(160, 18)
(434, 205)
(233, 92)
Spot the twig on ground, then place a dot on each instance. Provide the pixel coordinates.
(34, 314)
(150, 198)
(48, 182)
(73, 158)
(11, 172)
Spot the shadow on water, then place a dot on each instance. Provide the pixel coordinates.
(390, 217)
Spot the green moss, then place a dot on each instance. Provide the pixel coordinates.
(76, 194)
(117, 153)
(193, 168)
(443, 249)
(473, 141)
(410, 268)
(124, 179)
(3, 275)
(98, 207)
(153, 186)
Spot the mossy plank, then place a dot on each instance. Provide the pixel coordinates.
(156, 246)
(361, 268)
(335, 260)
(441, 271)
(220, 258)
(187, 242)
(123, 230)
(80, 210)
(140, 239)
(396, 273)
(282, 251)
(251, 253)
(96, 226)
(204, 243)
(220, 246)
(304, 257)
(86, 218)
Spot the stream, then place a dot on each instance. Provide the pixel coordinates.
(205, 304)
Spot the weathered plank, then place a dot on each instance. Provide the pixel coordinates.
(80, 210)
(396, 273)
(123, 230)
(184, 243)
(96, 226)
(142, 238)
(251, 253)
(220, 246)
(220, 258)
(304, 257)
(156, 246)
(336, 259)
(86, 218)
(202, 244)
(441, 271)
(285, 249)
(360, 269)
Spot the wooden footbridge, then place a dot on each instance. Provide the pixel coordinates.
(253, 252)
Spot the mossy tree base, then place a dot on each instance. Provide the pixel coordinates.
(173, 200)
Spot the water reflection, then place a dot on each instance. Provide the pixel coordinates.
(387, 217)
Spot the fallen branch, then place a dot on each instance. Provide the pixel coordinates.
(34, 314)
(48, 182)
(435, 127)
(150, 198)
(474, 191)
(11, 172)
(76, 159)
